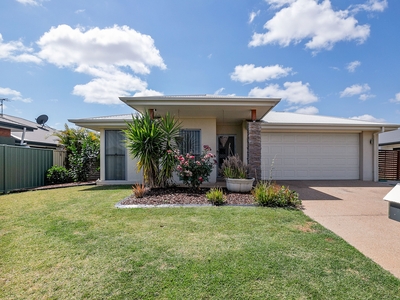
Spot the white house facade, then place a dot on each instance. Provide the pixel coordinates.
(276, 145)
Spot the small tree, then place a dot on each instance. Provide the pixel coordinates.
(83, 151)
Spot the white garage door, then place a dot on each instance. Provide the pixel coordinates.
(310, 156)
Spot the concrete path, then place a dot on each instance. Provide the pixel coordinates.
(355, 211)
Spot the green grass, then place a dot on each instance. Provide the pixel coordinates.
(73, 244)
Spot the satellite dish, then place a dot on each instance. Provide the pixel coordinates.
(42, 119)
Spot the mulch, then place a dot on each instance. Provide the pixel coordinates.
(184, 196)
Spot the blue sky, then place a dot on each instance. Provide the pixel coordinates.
(73, 59)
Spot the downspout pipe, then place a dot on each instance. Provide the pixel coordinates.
(23, 137)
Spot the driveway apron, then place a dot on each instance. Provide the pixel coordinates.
(355, 211)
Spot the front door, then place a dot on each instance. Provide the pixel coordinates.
(226, 147)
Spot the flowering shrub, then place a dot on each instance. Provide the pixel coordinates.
(194, 171)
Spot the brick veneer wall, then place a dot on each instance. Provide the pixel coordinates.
(5, 132)
(254, 149)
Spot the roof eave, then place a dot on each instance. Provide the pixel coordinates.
(333, 127)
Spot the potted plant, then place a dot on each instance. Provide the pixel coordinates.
(235, 173)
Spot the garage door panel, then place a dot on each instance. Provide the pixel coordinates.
(310, 156)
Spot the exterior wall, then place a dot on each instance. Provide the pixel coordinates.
(4, 132)
(208, 137)
(208, 129)
(367, 156)
(389, 147)
(131, 174)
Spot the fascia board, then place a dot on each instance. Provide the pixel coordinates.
(328, 127)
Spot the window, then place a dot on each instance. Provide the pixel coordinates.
(190, 141)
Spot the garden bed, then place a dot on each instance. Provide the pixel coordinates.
(184, 195)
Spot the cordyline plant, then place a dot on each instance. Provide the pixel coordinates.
(194, 171)
(149, 140)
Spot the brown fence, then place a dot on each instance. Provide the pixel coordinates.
(389, 164)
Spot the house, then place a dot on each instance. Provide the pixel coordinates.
(277, 145)
(390, 140)
(22, 132)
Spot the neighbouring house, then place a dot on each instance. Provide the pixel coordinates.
(22, 132)
(390, 140)
(389, 155)
(277, 145)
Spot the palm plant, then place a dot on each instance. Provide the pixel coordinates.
(144, 142)
(151, 141)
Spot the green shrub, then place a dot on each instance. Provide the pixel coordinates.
(58, 174)
(216, 196)
(274, 195)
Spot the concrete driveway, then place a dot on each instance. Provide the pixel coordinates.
(355, 211)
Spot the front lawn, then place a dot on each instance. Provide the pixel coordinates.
(72, 244)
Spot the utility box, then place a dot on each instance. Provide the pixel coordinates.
(393, 197)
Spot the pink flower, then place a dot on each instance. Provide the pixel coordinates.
(198, 163)
(191, 157)
(201, 179)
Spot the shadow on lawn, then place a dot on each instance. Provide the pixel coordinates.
(106, 188)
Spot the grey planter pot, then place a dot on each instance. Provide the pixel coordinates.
(239, 185)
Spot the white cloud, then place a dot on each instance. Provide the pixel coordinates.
(351, 67)
(147, 93)
(310, 20)
(396, 98)
(16, 51)
(293, 92)
(104, 54)
(252, 16)
(250, 73)
(279, 3)
(371, 5)
(108, 85)
(364, 97)
(308, 110)
(219, 92)
(119, 46)
(30, 2)
(79, 11)
(357, 89)
(13, 95)
(368, 118)
(9, 92)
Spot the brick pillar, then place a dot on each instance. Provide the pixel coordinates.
(254, 149)
(5, 132)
